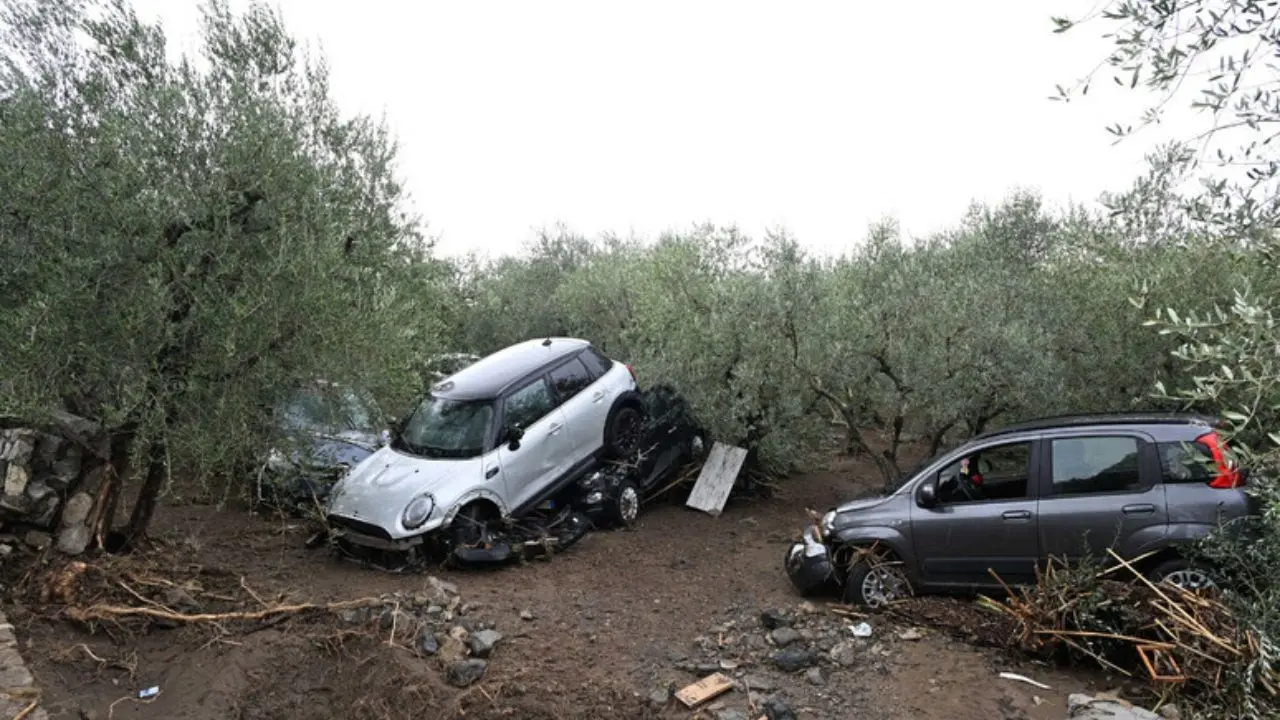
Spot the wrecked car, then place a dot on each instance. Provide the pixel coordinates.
(496, 443)
(325, 429)
(1145, 485)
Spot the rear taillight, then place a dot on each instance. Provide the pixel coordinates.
(1227, 475)
(632, 371)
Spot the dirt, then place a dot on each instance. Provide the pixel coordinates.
(601, 631)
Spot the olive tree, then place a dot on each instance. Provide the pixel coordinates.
(182, 242)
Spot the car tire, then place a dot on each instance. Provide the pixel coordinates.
(1183, 573)
(623, 433)
(860, 585)
(624, 507)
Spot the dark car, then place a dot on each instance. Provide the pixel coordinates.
(1008, 501)
(326, 429)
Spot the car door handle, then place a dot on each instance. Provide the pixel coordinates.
(1016, 514)
(597, 396)
(1141, 509)
(555, 428)
(490, 472)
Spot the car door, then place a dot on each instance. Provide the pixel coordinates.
(1102, 491)
(988, 526)
(583, 405)
(543, 454)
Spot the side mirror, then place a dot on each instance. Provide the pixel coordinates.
(512, 436)
(927, 495)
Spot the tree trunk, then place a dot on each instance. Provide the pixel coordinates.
(144, 507)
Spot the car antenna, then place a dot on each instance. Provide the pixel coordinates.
(546, 343)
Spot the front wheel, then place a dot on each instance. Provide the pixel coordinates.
(876, 585)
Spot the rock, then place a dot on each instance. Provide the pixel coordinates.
(88, 714)
(355, 616)
(660, 697)
(73, 540)
(844, 654)
(44, 503)
(427, 643)
(1170, 712)
(815, 676)
(731, 714)
(465, 672)
(785, 636)
(483, 642)
(76, 511)
(910, 634)
(6, 549)
(15, 480)
(526, 615)
(772, 619)
(758, 684)
(775, 708)
(1084, 707)
(38, 540)
(442, 585)
(452, 649)
(180, 599)
(17, 451)
(793, 659)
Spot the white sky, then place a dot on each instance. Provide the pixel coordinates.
(820, 117)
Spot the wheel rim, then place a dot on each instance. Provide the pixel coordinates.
(629, 504)
(884, 585)
(626, 430)
(1190, 579)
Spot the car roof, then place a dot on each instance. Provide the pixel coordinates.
(490, 376)
(1117, 419)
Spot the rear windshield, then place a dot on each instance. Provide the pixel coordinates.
(1186, 462)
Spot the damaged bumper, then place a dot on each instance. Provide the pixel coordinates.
(808, 563)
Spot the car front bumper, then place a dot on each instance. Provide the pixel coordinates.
(808, 563)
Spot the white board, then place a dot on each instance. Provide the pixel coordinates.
(716, 478)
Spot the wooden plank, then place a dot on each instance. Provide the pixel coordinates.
(703, 690)
(716, 478)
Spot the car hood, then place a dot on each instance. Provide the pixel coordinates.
(378, 489)
(862, 504)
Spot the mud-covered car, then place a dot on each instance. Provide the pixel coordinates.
(324, 430)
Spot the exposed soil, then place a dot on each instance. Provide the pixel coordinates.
(599, 632)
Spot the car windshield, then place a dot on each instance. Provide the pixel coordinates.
(319, 411)
(447, 428)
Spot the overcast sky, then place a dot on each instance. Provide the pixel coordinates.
(820, 117)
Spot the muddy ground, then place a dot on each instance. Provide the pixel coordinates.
(602, 631)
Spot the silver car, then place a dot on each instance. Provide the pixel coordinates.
(490, 442)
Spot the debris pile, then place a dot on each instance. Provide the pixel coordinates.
(433, 622)
(776, 663)
(1173, 637)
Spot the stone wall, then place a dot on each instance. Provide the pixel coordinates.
(42, 502)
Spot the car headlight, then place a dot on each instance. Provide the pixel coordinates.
(828, 523)
(417, 511)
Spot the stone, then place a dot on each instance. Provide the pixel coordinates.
(731, 714)
(526, 615)
(465, 672)
(793, 659)
(427, 643)
(180, 599)
(44, 503)
(355, 616)
(38, 540)
(659, 697)
(17, 451)
(910, 634)
(775, 708)
(815, 676)
(785, 636)
(442, 585)
(758, 684)
(48, 447)
(76, 511)
(1084, 707)
(1170, 712)
(73, 540)
(772, 619)
(483, 642)
(15, 480)
(844, 654)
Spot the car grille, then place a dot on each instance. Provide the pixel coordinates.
(359, 526)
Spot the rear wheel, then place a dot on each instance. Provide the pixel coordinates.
(1184, 574)
(622, 437)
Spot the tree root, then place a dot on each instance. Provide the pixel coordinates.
(109, 612)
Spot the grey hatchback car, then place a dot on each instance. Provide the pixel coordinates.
(1009, 500)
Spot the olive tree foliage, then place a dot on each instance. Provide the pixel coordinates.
(183, 242)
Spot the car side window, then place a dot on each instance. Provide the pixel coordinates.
(597, 363)
(569, 379)
(1089, 465)
(995, 473)
(528, 405)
